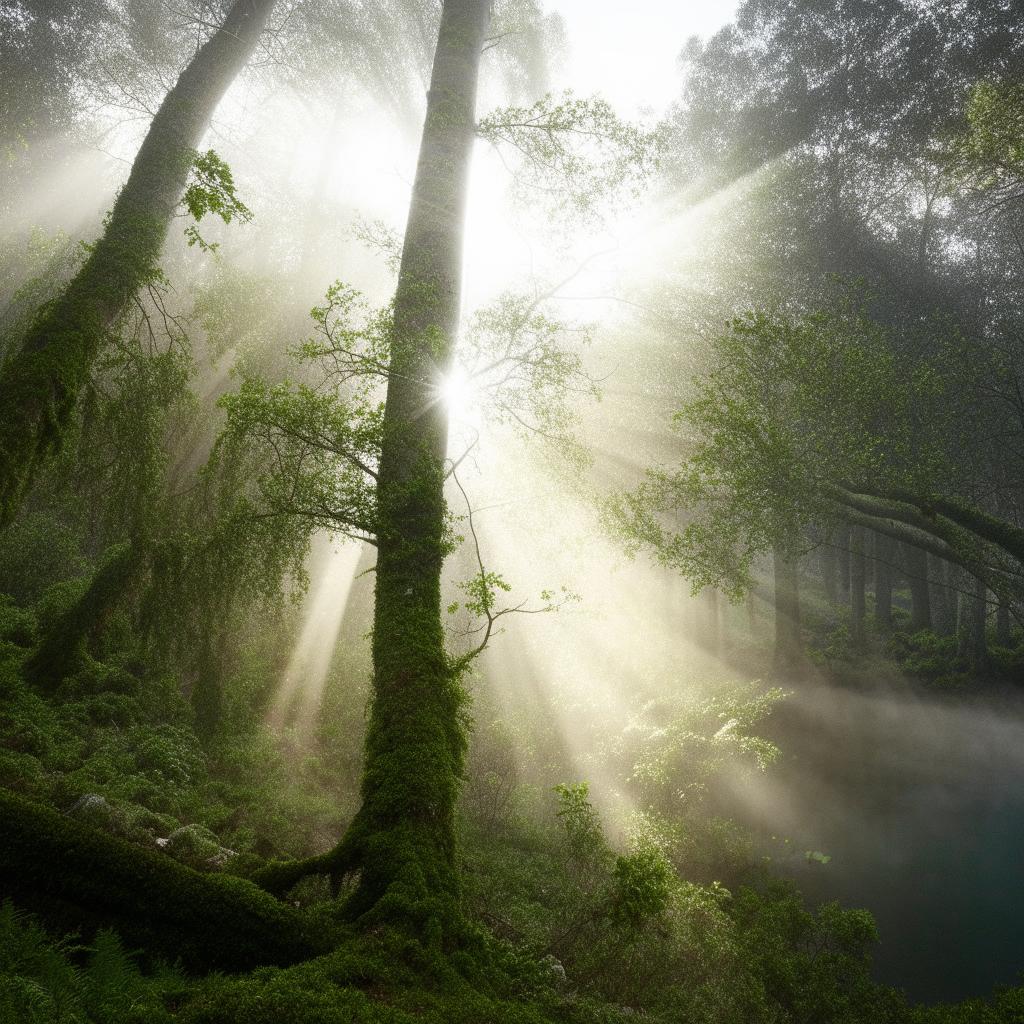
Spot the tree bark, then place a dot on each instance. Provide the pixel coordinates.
(857, 587)
(830, 569)
(979, 616)
(41, 383)
(1003, 636)
(788, 641)
(78, 878)
(885, 552)
(944, 597)
(916, 562)
(990, 528)
(935, 534)
(403, 837)
(843, 555)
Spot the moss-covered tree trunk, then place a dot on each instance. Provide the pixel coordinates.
(40, 384)
(403, 837)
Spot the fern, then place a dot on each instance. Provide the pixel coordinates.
(38, 983)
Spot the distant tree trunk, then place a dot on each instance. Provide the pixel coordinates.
(884, 554)
(712, 626)
(857, 581)
(916, 563)
(971, 641)
(41, 383)
(830, 569)
(788, 641)
(944, 597)
(843, 553)
(963, 618)
(317, 211)
(1003, 636)
(979, 617)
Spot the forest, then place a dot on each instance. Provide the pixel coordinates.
(511, 511)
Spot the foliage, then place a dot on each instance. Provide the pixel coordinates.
(573, 153)
(41, 982)
(990, 151)
(698, 738)
(628, 929)
(153, 608)
(931, 658)
(522, 366)
(788, 407)
(211, 189)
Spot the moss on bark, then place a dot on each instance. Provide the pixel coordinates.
(40, 384)
(76, 877)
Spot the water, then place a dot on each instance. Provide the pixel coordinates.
(919, 803)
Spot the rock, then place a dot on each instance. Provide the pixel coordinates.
(197, 847)
(95, 810)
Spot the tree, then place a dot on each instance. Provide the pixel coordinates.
(40, 384)
(330, 452)
(402, 840)
(807, 420)
(403, 837)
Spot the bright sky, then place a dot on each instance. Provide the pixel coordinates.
(628, 52)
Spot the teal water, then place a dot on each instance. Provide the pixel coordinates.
(919, 804)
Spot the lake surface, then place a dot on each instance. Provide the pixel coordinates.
(919, 803)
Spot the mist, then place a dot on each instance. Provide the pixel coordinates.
(511, 511)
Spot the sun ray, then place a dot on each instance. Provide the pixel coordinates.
(297, 699)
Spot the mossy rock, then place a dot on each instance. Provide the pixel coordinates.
(197, 847)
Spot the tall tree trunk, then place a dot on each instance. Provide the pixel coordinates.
(885, 550)
(830, 568)
(711, 632)
(857, 586)
(1003, 636)
(944, 597)
(788, 642)
(843, 555)
(41, 383)
(978, 619)
(916, 562)
(403, 837)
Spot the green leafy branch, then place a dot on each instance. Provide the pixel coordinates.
(575, 152)
(483, 590)
(211, 189)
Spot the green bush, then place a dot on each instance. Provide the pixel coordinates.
(929, 657)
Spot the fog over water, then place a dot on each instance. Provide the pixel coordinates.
(919, 803)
